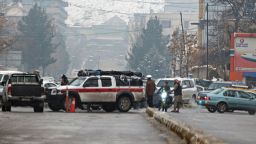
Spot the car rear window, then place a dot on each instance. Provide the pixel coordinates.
(214, 86)
(217, 91)
(24, 79)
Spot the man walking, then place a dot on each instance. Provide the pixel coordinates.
(150, 89)
(177, 96)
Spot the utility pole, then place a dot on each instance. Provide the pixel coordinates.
(207, 40)
(183, 46)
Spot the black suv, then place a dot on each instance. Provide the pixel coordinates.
(23, 90)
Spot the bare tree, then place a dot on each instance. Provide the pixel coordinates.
(240, 11)
(5, 41)
(192, 55)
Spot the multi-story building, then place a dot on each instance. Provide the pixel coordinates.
(106, 45)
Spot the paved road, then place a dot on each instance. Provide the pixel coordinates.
(235, 128)
(22, 126)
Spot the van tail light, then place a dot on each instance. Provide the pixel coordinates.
(9, 89)
(207, 98)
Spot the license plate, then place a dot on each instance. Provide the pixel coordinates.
(25, 99)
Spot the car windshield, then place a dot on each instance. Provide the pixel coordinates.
(214, 86)
(78, 81)
(217, 91)
(161, 83)
(204, 83)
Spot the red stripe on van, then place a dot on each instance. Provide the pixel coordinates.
(107, 89)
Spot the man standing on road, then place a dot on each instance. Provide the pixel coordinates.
(177, 96)
(150, 89)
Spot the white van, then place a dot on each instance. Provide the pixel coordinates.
(189, 89)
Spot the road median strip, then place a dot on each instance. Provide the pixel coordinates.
(189, 134)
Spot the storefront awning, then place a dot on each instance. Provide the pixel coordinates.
(250, 74)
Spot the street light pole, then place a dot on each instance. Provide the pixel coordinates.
(182, 47)
(207, 42)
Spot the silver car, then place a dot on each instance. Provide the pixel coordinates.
(189, 89)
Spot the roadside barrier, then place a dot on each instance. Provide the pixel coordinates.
(73, 105)
(189, 134)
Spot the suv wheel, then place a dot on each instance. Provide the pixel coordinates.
(54, 107)
(222, 107)
(3, 108)
(124, 104)
(251, 112)
(6, 107)
(39, 107)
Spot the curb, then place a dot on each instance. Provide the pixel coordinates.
(189, 134)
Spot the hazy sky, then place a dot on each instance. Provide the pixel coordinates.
(89, 12)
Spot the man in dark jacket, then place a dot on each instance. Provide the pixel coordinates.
(150, 89)
(177, 96)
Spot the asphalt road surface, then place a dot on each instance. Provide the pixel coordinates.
(22, 126)
(233, 127)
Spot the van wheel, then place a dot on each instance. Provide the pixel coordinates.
(251, 112)
(39, 107)
(124, 104)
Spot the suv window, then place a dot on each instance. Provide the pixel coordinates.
(187, 83)
(106, 82)
(120, 82)
(91, 82)
(192, 83)
(244, 95)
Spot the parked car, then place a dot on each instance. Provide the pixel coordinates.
(48, 87)
(200, 88)
(203, 83)
(217, 85)
(109, 90)
(224, 99)
(23, 90)
(189, 89)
